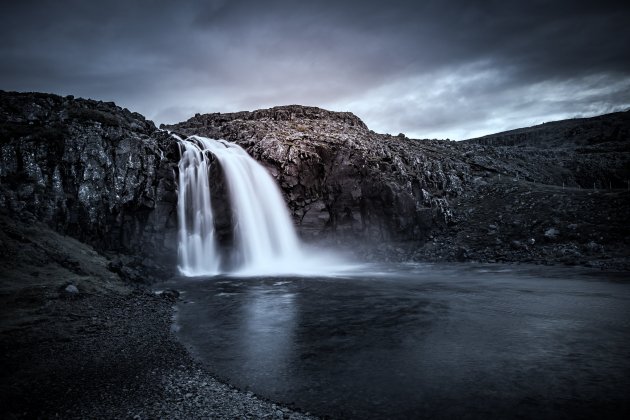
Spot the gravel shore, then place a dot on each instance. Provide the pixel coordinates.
(100, 349)
(114, 357)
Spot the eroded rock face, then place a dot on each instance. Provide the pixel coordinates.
(108, 177)
(396, 198)
(340, 179)
(89, 169)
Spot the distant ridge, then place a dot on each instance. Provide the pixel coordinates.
(575, 132)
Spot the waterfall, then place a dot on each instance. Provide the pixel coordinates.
(265, 239)
(197, 248)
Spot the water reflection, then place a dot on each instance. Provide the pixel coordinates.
(268, 330)
(421, 341)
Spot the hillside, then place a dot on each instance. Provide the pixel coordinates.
(573, 133)
(583, 153)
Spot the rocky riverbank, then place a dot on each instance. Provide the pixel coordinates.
(78, 342)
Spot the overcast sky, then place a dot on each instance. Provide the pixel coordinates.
(429, 69)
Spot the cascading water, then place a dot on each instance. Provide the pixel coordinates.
(265, 240)
(197, 245)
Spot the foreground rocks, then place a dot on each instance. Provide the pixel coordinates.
(114, 357)
(111, 356)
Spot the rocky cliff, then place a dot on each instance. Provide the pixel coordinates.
(340, 179)
(106, 176)
(91, 170)
(554, 194)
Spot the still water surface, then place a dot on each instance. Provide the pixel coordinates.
(420, 341)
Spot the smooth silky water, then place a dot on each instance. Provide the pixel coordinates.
(391, 340)
(265, 238)
(413, 341)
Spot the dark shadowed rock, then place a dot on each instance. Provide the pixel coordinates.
(170, 294)
(590, 153)
(71, 290)
(89, 169)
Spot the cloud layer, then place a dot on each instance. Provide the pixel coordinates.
(428, 69)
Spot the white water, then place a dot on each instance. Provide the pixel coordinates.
(197, 248)
(265, 239)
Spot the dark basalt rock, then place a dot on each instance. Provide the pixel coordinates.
(169, 294)
(581, 153)
(107, 176)
(91, 170)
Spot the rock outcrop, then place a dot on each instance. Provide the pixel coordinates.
(107, 176)
(91, 170)
(488, 199)
(340, 179)
(582, 153)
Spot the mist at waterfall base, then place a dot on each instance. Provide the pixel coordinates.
(265, 242)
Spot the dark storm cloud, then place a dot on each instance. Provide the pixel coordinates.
(432, 68)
